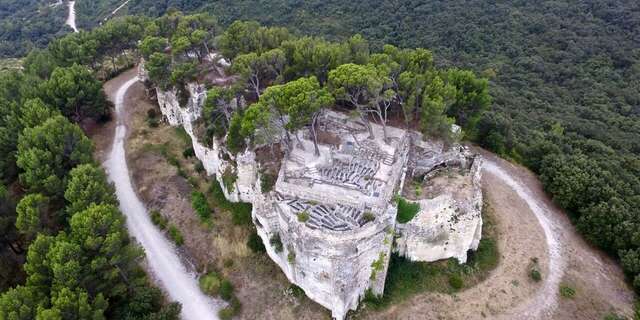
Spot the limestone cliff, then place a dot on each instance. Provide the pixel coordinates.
(330, 221)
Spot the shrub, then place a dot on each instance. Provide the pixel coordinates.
(176, 235)
(240, 211)
(153, 122)
(406, 210)
(276, 243)
(303, 216)
(567, 292)
(158, 219)
(535, 275)
(152, 113)
(296, 291)
(368, 216)
(255, 243)
(456, 281)
(199, 167)
(229, 177)
(226, 290)
(200, 205)
(291, 256)
(267, 182)
(230, 311)
(188, 152)
(210, 284)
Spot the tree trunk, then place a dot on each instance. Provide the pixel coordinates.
(314, 135)
(300, 144)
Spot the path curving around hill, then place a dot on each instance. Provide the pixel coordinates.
(71, 17)
(164, 263)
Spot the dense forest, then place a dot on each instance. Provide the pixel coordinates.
(28, 24)
(564, 77)
(65, 250)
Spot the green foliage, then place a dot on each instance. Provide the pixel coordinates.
(406, 210)
(240, 211)
(567, 291)
(296, 291)
(176, 235)
(303, 216)
(159, 220)
(456, 282)
(32, 214)
(47, 152)
(229, 177)
(276, 243)
(75, 92)
(88, 185)
(377, 265)
(535, 275)
(368, 216)
(210, 283)
(200, 205)
(235, 138)
(255, 243)
(230, 311)
(226, 290)
(267, 182)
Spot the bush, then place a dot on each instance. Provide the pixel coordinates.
(456, 281)
(199, 167)
(535, 275)
(226, 290)
(158, 219)
(230, 311)
(152, 113)
(267, 182)
(229, 177)
(406, 210)
(303, 216)
(255, 243)
(296, 291)
(368, 216)
(210, 284)
(240, 211)
(188, 152)
(176, 235)
(276, 243)
(200, 205)
(567, 292)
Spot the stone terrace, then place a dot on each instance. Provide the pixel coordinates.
(341, 189)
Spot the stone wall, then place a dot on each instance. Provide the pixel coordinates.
(444, 227)
(335, 268)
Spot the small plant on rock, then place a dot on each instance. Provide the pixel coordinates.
(276, 243)
(303, 216)
(567, 291)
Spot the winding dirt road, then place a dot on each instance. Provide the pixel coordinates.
(163, 261)
(71, 17)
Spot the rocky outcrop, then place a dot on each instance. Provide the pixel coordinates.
(447, 226)
(330, 221)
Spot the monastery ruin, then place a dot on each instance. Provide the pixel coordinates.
(330, 221)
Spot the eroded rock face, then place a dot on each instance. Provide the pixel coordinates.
(330, 221)
(449, 224)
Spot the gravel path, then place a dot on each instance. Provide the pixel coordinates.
(71, 18)
(179, 283)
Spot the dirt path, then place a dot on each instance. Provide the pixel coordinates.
(529, 226)
(162, 258)
(71, 18)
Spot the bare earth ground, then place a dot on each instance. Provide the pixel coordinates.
(262, 288)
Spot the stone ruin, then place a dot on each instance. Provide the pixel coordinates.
(330, 221)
